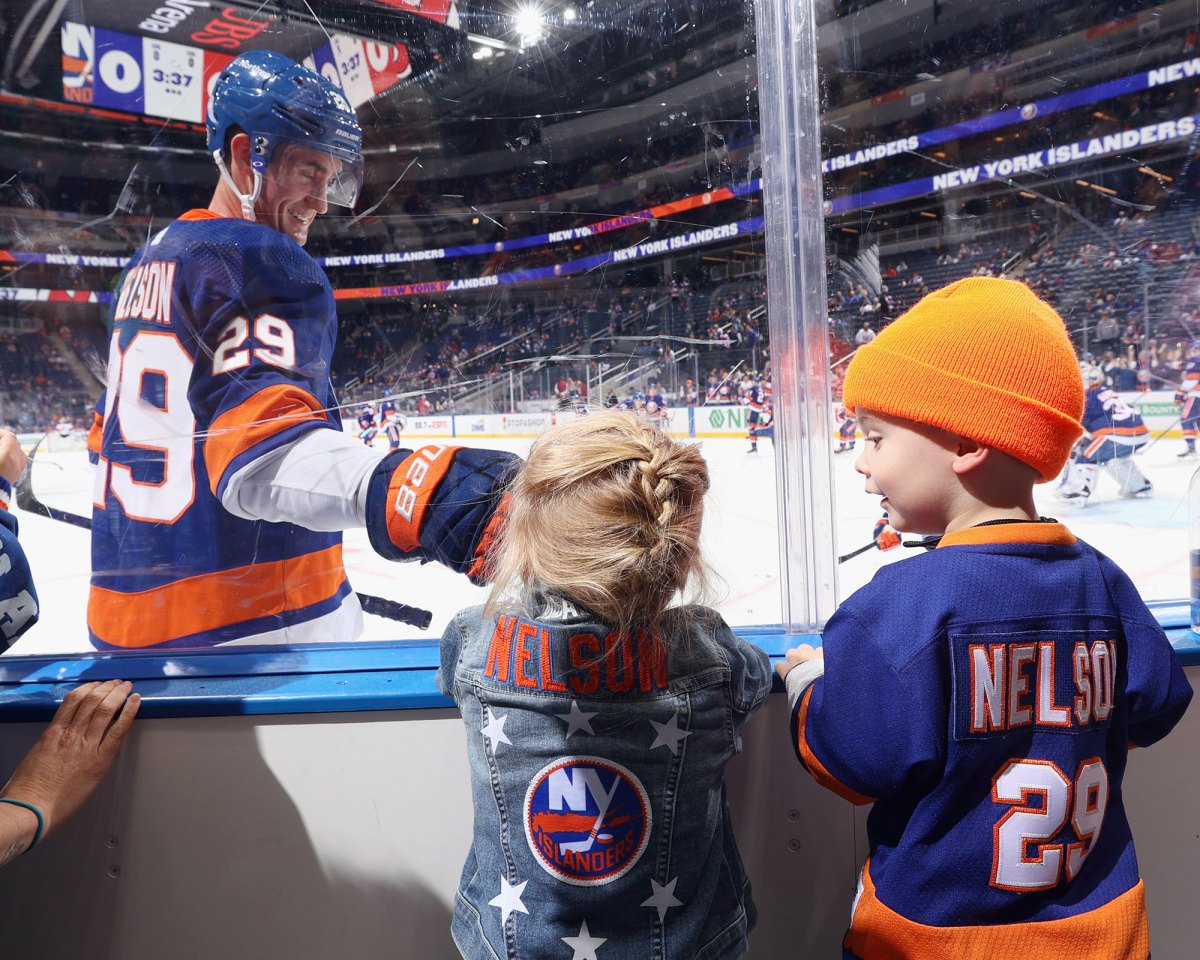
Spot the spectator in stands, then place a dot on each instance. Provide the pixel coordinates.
(865, 334)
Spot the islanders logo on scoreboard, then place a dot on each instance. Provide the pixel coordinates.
(587, 820)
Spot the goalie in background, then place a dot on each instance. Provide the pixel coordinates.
(1113, 432)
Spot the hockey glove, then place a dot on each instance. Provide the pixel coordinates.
(1180, 397)
(885, 535)
(439, 503)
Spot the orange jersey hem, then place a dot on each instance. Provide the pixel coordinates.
(212, 601)
(1116, 931)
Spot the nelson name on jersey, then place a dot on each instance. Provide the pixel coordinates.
(1022, 681)
(550, 658)
(146, 293)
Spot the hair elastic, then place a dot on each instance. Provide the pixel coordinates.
(36, 812)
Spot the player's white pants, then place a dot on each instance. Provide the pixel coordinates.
(1079, 481)
(1129, 475)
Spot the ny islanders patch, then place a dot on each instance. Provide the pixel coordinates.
(587, 819)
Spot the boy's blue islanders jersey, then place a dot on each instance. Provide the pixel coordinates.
(220, 347)
(990, 721)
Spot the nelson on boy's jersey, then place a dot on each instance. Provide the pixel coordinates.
(220, 350)
(991, 722)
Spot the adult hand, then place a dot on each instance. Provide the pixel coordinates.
(76, 750)
(12, 457)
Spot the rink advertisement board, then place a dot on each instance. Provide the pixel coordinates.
(1157, 408)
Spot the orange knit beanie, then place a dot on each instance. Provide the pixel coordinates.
(984, 358)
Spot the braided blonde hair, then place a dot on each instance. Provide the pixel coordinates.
(605, 513)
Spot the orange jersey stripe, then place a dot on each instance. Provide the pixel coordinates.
(1122, 431)
(1116, 931)
(210, 601)
(815, 767)
(95, 433)
(254, 420)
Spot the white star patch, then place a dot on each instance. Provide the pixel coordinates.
(584, 945)
(494, 729)
(509, 899)
(577, 720)
(662, 898)
(669, 734)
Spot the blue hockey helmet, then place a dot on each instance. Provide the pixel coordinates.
(276, 101)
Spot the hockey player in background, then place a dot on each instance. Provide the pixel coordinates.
(395, 427)
(751, 392)
(1112, 432)
(367, 429)
(224, 477)
(1187, 398)
(984, 695)
(847, 428)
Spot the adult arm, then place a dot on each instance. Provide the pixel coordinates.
(67, 763)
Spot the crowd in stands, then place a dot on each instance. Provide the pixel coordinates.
(38, 389)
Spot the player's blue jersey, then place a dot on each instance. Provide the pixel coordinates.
(754, 398)
(366, 420)
(222, 336)
(387, 410)
(1107, 417)
(990, 720)
(1190, 382)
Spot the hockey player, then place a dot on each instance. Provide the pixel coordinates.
(1113, 432)
(395, 426)
(752, 396)
(984, 695)
(387, 410)
(1187, 398)
(765, 427)
(847, 428)
(366, 425)
(224, 478)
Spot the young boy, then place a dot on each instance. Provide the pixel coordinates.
(984, 695)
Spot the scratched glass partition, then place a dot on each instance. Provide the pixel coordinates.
(1049, 142)
(410, 225)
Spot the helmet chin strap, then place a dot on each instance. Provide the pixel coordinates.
(247, 200)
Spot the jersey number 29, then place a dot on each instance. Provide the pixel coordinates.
(144, 425)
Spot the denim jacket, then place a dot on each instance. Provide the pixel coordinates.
(597, 769)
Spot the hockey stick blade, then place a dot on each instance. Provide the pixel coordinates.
(854, 553)
(379, 606)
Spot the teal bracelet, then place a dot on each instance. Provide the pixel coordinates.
(35, 811)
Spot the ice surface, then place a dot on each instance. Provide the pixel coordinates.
(1147, 537)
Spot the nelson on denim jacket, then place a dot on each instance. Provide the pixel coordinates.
(597, 776)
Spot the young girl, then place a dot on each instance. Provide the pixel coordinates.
(600, 718)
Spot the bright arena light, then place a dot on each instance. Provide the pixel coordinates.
(569, 14)
(529, 23)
